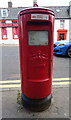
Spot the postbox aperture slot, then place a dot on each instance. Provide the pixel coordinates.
(38, 23)
(37, 37)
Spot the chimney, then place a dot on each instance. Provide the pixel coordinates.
(9, 4)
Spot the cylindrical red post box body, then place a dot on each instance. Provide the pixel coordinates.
(36, 29)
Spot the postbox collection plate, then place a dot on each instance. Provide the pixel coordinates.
(39, 16)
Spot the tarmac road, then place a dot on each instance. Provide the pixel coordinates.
(11, 67)
(10, 62)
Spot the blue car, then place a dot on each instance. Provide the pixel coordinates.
(63, 47)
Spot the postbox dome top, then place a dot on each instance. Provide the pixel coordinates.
(36, 9)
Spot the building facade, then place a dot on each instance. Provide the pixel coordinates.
(9, 23)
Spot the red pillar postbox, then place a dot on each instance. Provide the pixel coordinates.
(36, 28)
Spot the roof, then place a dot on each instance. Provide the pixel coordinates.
(61, 12)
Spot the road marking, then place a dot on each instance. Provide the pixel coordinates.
(10, 81)
(19, 85)
(60, 79)
(10, 86)
(54, 79)
(61, 83)
(16, 83)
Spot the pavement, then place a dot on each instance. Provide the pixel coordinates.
(59, 107)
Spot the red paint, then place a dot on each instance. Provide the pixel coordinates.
(62, 31)
(4, 24)
(36, 62)
(15, 32)
(35, 5)
(14, 23)
(4, 33)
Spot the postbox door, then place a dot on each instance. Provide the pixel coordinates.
(39, 52)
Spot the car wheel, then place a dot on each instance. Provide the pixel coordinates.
(69, 52)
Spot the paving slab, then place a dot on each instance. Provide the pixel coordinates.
(59, 107)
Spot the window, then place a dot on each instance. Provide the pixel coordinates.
(38, 37)
(15, 32)
(62, 24)
(4, 33)
(61, 36)
(4, 12)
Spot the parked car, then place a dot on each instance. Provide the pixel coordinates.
(63, 47)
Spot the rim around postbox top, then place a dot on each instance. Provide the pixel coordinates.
(36, 10)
